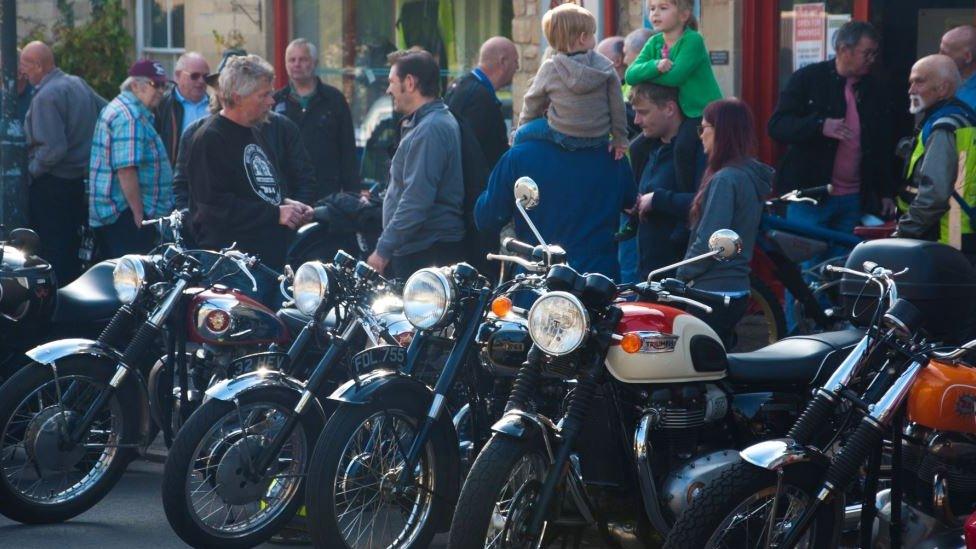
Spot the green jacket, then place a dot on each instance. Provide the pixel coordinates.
(691, 72)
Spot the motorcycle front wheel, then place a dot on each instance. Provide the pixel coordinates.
(734, 511)
(45, 478)
(357, 496)
(497, 499)
(210, 497)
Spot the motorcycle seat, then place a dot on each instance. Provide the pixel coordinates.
(798, 360)
(89, 298)
(295, 320)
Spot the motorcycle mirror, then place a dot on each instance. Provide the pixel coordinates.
(726, 242)
(527, 192)
(25, 240)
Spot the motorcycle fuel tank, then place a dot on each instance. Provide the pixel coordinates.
(943, 398)
(225, 316)
(674, 347)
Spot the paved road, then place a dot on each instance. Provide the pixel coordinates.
(131, 516)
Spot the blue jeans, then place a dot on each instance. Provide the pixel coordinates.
(628, 255)
(840, 213)
(539, 130)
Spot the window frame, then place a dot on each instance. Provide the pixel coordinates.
(141, 48)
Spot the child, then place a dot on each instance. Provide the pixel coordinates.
(676, 56)
(579, 87)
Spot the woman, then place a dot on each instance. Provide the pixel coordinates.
(730, 197)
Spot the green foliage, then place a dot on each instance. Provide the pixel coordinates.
(97, 51)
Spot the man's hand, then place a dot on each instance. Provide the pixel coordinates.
(888, 207)
(664, 65)
(644, 204)
(138, 217)
(290, 216)
(306, 210)
(835, 128)
(377, 262)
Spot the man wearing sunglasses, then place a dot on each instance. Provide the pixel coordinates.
(185, 103)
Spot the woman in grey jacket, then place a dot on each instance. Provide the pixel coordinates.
(730, 197)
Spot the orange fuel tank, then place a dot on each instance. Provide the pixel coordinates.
(944, 398)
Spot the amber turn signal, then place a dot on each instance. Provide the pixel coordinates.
(630, 343)
(501, 306)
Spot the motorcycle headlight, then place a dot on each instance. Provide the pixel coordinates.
(558, 323)
(311, 287)
(128, 277)
(428, 297)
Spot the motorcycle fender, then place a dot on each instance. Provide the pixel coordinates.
(522, 425)
(779, 453)
(374, 383)
(230, 389)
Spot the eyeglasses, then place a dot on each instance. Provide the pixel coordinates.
(197, 75)
(159, 85)
(701, 129)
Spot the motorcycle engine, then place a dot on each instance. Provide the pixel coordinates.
(678, 413)
(939, 472)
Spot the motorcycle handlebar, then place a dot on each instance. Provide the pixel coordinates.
(518, 248)
(678, 287)
(814, 191)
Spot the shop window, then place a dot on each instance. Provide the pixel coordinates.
(807, 33)
(160, 30)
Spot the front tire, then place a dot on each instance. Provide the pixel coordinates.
(208, 499)
(355, 473)
(496, 498)
(733, 510)
(42, 481)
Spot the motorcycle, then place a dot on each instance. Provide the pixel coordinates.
(32, 307)
(235, 472)
(391, 449)
(74, 418)
(791, 491)
(655, 400)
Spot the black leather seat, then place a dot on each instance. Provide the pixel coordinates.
(89, 298)
(795, 360)
(295, 320)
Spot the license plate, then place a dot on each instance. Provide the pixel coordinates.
(385, 356)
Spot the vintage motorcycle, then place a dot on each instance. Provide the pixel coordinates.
(387, 468)
(791, 491)
(73, 419)
(34, 310)
(235, 472)
(655, 399)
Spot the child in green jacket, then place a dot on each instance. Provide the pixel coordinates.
(676, 56)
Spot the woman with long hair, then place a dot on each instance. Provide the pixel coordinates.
(730, 197)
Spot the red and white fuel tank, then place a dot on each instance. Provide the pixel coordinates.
(664, 345)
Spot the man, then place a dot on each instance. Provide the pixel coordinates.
(581, 195)
(59, 127)
(960, 45)
(25, 91)
(322, 114)
(938, 196)
(130, 178)
(472, 98)
(832, 116)
(612, 47)
(662, 203)
(185, 104)
(423, 222)
(236, 194)
(634, 43)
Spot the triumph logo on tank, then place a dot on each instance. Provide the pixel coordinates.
(657, 342)
(261, 174)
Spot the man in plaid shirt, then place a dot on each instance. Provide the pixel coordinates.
(130, 177)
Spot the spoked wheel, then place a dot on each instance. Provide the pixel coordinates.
(361, 494)
(734, 511)
(499, 495)
(44, 476)
(764, 321)
(211, 494)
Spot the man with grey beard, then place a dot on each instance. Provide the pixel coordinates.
(937, 198)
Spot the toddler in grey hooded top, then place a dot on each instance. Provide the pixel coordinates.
(578, 85)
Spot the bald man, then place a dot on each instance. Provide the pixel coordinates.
(473, 100)
(59, 126)
(936, 194)
(185, 103)
(612, 47)
(960, 44)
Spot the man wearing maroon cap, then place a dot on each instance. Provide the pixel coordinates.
(129, 176)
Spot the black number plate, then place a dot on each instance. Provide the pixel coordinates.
(384, 356)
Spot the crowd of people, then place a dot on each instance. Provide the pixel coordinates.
(631, 133)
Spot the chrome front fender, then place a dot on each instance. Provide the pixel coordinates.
(779, 453)
(49, 353)
(230, 389)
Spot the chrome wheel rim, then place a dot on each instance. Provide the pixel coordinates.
(40, 421)
(235, 511)
(748, 524)
(372, 509)
(529, 469)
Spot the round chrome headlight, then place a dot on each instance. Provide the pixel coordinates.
(128, 277)
(311, 287)
(427, 298)
(558, 323)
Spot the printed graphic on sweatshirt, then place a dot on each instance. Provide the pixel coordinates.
(261, 174)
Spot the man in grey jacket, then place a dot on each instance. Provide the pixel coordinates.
(423, 209)
(59, 126)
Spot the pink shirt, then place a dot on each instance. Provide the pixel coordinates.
(846, 178)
